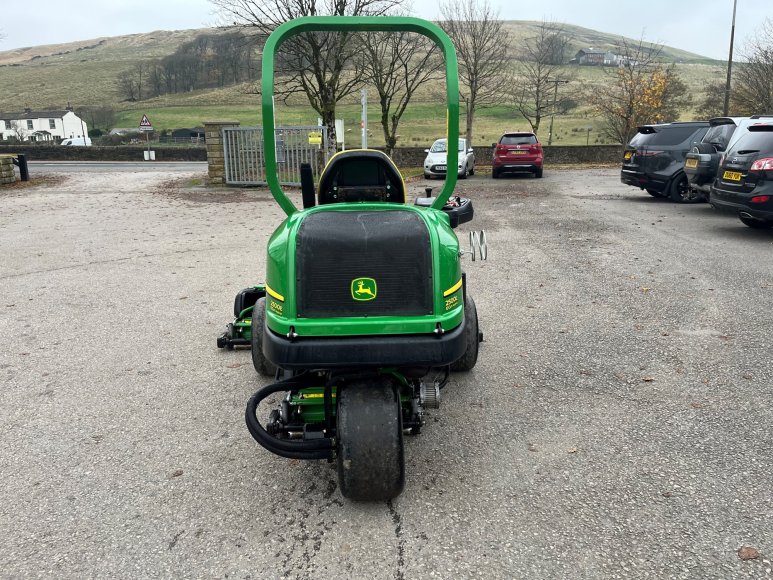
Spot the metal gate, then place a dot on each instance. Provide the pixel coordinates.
(245, 164)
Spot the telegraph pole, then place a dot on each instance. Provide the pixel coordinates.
(726, 109)
(555, 82)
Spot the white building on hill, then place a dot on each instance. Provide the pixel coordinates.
(42, 125)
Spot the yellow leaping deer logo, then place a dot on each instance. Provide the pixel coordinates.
(364, 289)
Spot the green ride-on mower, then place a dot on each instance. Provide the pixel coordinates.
(365, 309)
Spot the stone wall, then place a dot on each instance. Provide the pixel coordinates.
(6, 170)
(403, 156)
(213, 131)
(121, 153)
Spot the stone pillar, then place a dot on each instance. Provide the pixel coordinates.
(6, 170)
(215, 157)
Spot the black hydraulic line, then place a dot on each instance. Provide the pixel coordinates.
(315, 449)
(445, 378)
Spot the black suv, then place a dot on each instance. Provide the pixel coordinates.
(654, 159)
(744, 182)
(703, 160)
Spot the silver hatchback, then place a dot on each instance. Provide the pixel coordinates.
(436, 162)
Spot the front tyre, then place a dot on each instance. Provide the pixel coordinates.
(369, 435)
(472, 337)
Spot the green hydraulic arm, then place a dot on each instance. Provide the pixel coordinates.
(361, 24)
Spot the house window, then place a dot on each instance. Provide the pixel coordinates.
(51, 124)
(29, 125)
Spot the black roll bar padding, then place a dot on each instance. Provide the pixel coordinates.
(314, 449)
(21, 162)
(307, 186)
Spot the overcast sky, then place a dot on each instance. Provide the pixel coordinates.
(701, 26)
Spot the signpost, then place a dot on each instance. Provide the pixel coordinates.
(364, 117)
(147, 127)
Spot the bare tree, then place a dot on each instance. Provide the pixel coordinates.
(140, 71)
(712, 104)
(102, 118)
(397, 64)
(640, 90)
(482, 48)
(127, 86)
(753, 87)
(315, 64)
(18, 131)
(541, 80)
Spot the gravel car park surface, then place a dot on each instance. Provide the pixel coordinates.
(618, 424)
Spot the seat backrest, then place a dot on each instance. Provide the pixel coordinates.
(361, 175)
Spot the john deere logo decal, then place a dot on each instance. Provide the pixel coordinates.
(364, 289)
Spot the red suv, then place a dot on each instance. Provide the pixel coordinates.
(517, 152)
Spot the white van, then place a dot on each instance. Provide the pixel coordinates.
(77, 142)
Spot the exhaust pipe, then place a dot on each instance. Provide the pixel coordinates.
(746, 215)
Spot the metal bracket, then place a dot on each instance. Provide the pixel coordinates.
(478, 245)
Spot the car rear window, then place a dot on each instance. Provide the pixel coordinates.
(761, 141)
(663, 136)
(518, 140)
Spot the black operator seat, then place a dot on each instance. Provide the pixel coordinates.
(361, 175)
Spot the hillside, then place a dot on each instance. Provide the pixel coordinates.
(84, 73)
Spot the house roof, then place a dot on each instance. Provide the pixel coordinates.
(591, 51)
(57, 114)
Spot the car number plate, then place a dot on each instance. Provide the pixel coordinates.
(441, 167)
(628, 155)
(518, 152)
(732, 175)
(692, 163)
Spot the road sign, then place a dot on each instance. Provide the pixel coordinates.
(315, 138)
(145, 124)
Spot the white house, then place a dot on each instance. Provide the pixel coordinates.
(42, 125)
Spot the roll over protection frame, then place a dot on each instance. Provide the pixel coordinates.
(358, 24)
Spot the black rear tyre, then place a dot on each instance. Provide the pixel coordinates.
(680, 191)
(369, 435)
(472, 336)
(538, 173)
(262, 365)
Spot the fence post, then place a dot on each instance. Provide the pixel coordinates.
(21, 161)
(213, 131)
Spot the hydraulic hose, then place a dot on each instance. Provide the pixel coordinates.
(315, 449)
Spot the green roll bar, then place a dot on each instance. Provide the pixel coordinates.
(363, 24)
